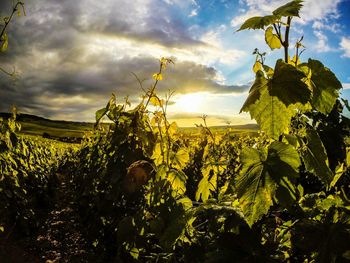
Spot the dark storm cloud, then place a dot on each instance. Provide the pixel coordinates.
(58, 70)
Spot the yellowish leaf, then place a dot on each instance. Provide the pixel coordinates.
(272, 39)
(155, 101)
(181, 158)
(157, 76)
(4, 43)
(257, 66)
(172, 128)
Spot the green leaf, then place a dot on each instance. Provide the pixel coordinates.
(271, 114)
(272, 102)
(272, 39)
(100, 113)
(290, 9)
(4, 43)
(257, 66)
(339, 172)
(155, 101)
(288, 84)
(177, 180)
(258, 22)
(269, 71)
(315, 157)
(180, 159)
(259, 86)
(206, 185)
(260, 176)
(157, 155)
(325, 86)
(185, 202)
(134, 252)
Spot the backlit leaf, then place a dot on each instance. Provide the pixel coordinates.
(100, 113)
(261, 174)
(157, 76)
(180, 159)
(206, 185)
(157, 155)
(172, 128)
(272, 102)
(271, 114)
(288, 84)
(257, 66)
(272, 39)
(177, 180)
(258, 22)
(315, 157)
(259, 86)
(325, 86)
(155, 101)
(134, 252)
(4, 43)
(290, 9)
(269, 71)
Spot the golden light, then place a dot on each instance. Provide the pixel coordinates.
(190, 102)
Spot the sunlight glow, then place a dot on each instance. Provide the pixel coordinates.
(190, 102)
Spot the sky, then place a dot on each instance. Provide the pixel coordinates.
(71, 55)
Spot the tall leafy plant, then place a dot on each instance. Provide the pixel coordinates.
(278, 98)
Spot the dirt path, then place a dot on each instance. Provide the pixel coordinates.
(60, 239)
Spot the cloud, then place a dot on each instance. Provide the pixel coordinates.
(322, 43)
(345, 46)
(322, 25)
(72, 55)
(312, 10)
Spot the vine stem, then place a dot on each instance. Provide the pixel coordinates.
(155, 85)
(10, 18)
(285, 43)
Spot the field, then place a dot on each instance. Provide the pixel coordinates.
(135, 187)
(38, 126)
(33, 125)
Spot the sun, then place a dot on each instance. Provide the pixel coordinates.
(189, 102)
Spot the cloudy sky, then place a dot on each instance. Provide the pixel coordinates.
(71, 55)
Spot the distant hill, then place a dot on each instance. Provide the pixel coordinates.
(35, 125)
(250, 126)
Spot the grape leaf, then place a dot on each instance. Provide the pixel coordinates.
(272, 39)
(180, 158)
(290, 9)
(271, 114)
(100, 113)
(155, 101)
(315, 157)
(206, 185)
(260, 176)
(255, 91)
(177, 180)
(325, 86)
(4, 43)
(157, 76)
(258, 22)
(288, 84)
(257, 66)
(272, 102)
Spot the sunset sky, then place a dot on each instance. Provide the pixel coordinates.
(71, 55)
